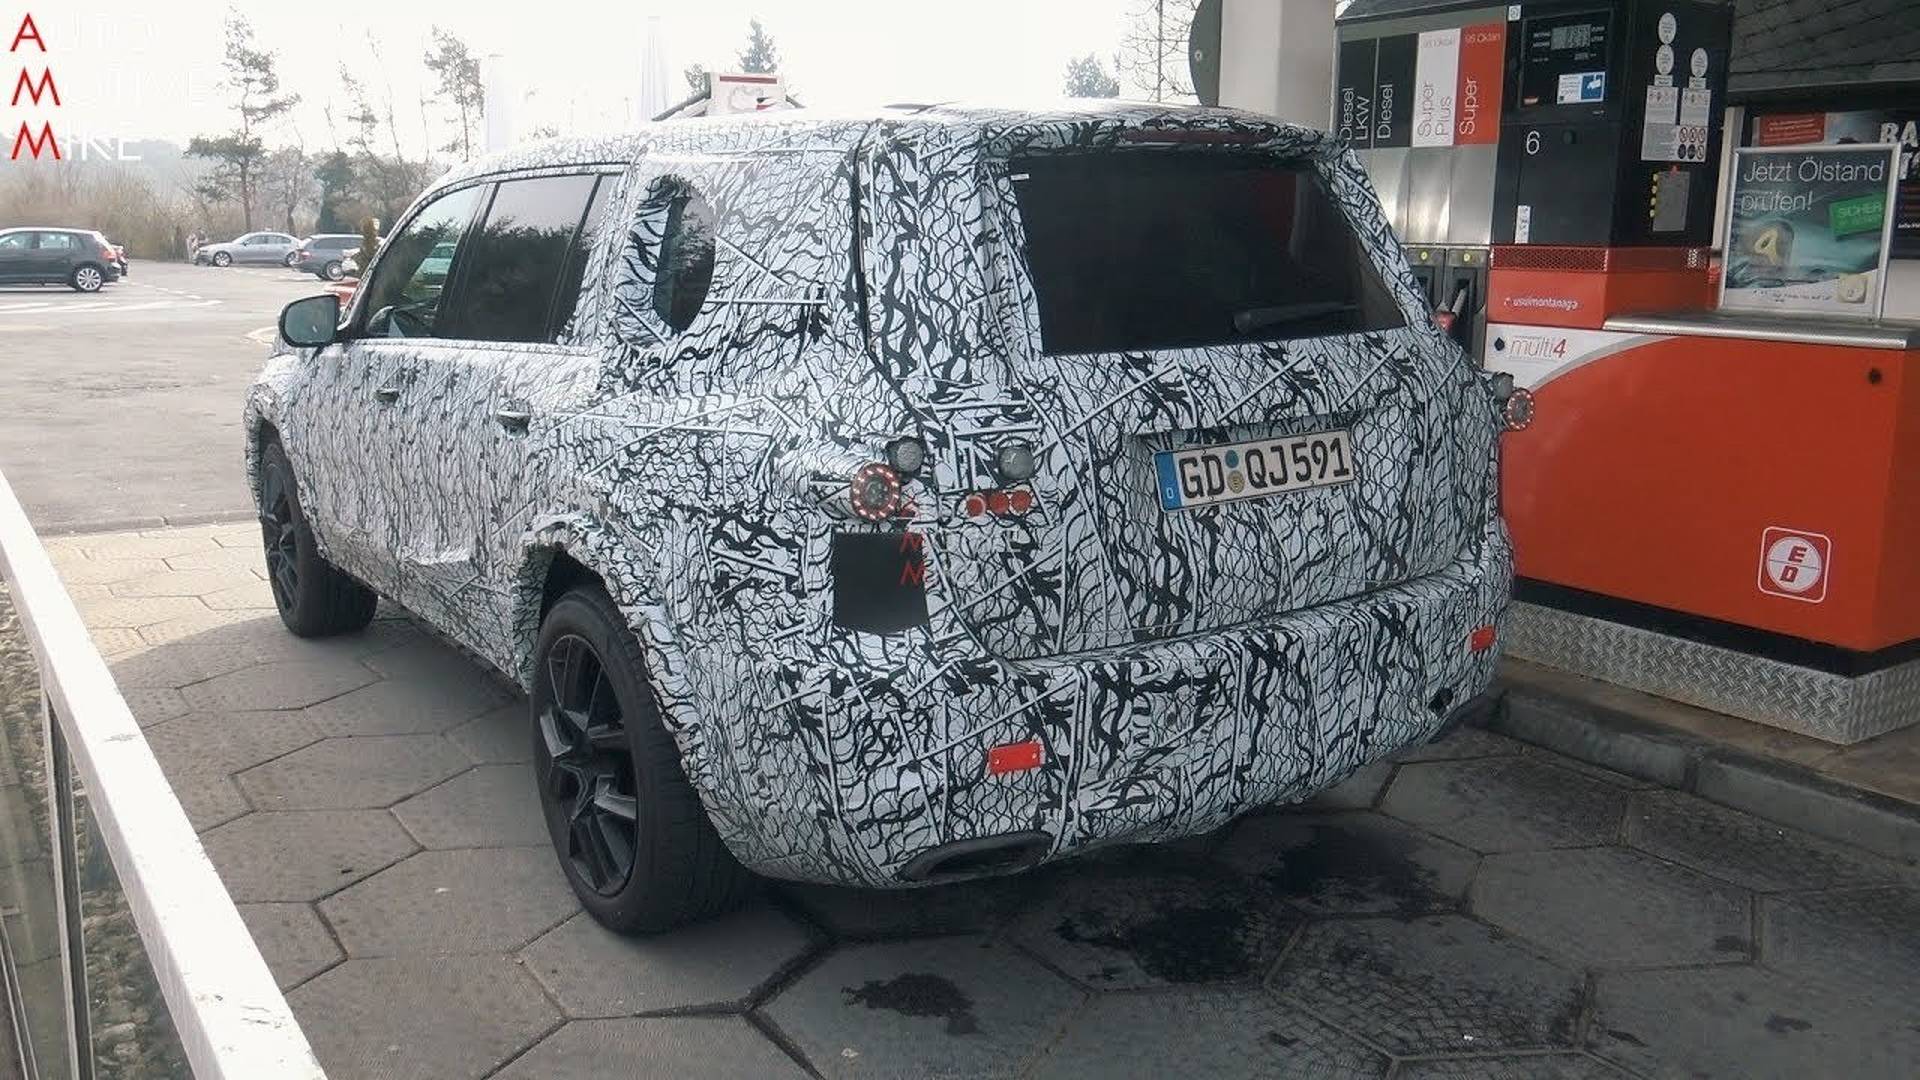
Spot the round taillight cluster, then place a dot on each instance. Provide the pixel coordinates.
(1517, 411)
(875, 491)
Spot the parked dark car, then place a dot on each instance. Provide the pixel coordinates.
(78, 258)
(324, 254)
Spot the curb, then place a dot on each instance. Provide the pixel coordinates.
(1778, 791)
(146, 521)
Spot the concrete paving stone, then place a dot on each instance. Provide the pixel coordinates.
(183, 582)
(77, 570)
(1589, 769)
(242, 558)
(79, 593)
(209, 801)
(1511, 1067)
(1868, 936)
(294, 942)
(371, 771)
(135, 612)
(1506, 803)
(427, 659)
(154, 705)
(158, 546)
(174, 666)
(1230, 1035)
(1462, 743)
(1812, 802)
(304, 855)
(277, 684)
(486, 806)
(421, 1018)
(1609, 908)
(1889, 764)
(116, 641)
(1137, 925)
(498, 737)
(481, 900)
(252, 594)
(1357, 792)
(954, 1006)
(258, 630)
(1744, 849)
(667, 1048)
(223, 743)
(964, 907)
(407, 707)
(592, 971)
(1751, 1024)
(1350, 863)
(1434, 984)
(237, 537)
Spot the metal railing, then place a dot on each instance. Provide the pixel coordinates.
(232, 1021)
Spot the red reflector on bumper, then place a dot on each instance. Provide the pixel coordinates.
(1481, 640)
(1013, 757)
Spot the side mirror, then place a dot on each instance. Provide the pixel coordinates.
(311, 322)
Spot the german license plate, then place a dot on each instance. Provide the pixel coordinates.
(1203, 475)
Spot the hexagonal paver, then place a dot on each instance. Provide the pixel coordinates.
(1350, 864)
(173, 666)
(184, 582)
(693, 1048)
(500, 737)
(421, 1018)
(1506, 803)
(305, 855)
(486, 806)
(965, 907)
(117, 640)
(292, 939)
(1463, 743)
(261, 632)
(428, 659)
(1357, 792)
(1116, 927)
(223, 743)
(138, 611)
(153, 704)
(1744, 849)
(593, 972)
(1868, 937)
(373, 771)
(1609, 907)
(483, 900)
(407, 706)
(133, 545)
(1746, 1022)
(287, 684)
(957, 1006)
(83, 571)
(1519, 1067)
(209, 801)
(1430, 985)
(247, 558)
(1221, 1035)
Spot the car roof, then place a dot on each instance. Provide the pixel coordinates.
(749, 132)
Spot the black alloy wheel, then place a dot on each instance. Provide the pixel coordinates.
(586, 766)
(314, 597)
(277, 534)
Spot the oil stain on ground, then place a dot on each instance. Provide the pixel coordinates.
(915, 994)
(1177, 943)
(1339, 869)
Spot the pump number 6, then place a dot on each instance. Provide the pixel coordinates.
(1533, 143)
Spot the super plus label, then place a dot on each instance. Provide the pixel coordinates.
(1795, 564)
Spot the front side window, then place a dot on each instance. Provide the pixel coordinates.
(18, 241)
(517, 258)
(403, 299)
(1139, 251)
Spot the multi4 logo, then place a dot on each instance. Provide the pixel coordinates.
(1795, 564)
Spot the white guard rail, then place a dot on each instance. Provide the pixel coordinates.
(231, 1018)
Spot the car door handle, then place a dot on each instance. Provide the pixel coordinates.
(387, 394)
(512, 419)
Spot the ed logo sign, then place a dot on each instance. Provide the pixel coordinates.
(1795, 563)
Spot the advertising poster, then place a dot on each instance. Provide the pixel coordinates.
(1807, 229)
(1900, 126)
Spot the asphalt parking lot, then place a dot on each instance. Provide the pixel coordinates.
(123, 406)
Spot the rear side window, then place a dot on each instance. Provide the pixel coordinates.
(1138, 251)
(58, 241)
(685, 269)
(518, 259)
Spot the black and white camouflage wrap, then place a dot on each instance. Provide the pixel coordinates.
(1177, 668)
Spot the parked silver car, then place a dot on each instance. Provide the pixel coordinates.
(255, 247)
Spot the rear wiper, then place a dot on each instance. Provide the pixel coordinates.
(1249, 320)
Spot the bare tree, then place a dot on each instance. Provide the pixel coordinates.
(287, 182)
(458, 73)
(239, 154)
(1153, 50)
(1087, 77)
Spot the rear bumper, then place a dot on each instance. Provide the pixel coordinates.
(859, 774)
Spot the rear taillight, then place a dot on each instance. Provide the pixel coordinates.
(875, 492)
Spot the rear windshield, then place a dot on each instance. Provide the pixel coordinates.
(1134, 251)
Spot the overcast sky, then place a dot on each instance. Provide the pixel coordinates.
(141, 69)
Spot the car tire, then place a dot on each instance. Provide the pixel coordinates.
(292, 257)
(609, 778)
(333, 271)
(221, 258)
(314, 597)
(87, 278)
